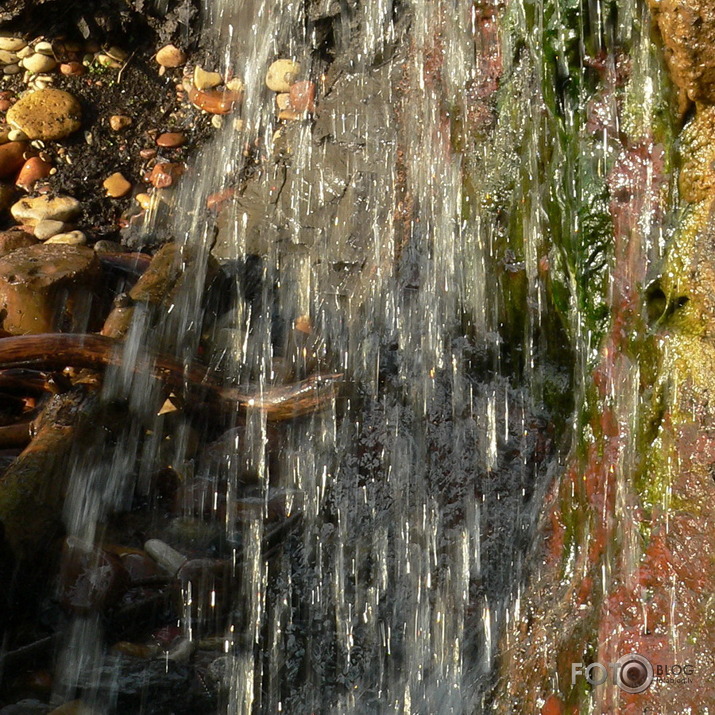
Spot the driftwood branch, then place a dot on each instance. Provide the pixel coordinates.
(59, 350)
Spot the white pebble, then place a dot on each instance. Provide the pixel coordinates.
(48, 228)
(71, 238)
(38, 63)
(44, 48)
(217, 121)
(168, 558)
(17, 135)
(25, 52)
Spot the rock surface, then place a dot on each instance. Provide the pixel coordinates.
(46, 114)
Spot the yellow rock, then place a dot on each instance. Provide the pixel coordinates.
(116, 185)
(46, 114)
(206, 80)
(281, 75)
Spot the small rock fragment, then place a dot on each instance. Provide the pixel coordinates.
(72, 69)
(12, 69)
(35, 209)
(171, 140)
(117, 53)
(170, 56)
(33, 170)
(116, 185)
(164, 174)
(167, 557)
(46, 114)
(39, 63)
(16, 135)
(11, 158)
(105, 246)
(302, 96)
(235, 85)
(144, 200)
(283, 101)
(206, 80)
(48, 228)
(119, 121)
(107, 61)
(281, 74)
(71, 238)
(8, 58)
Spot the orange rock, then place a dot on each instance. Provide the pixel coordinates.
(552, 706)
(214, 101)
(217, 200)
(11, 158)
(116, 185)
(302, 96)
(72, 69)
(32, 170)
(165, 174)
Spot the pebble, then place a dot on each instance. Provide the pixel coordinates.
(13, 239)
(71, 238)
(116, 185)
(32, 170)
(5, 104)
(117, 53)
(25, 52)
(32, 210)
(206, 80)
(235, 84)
(281, 74)
(46, 114)
(12, 44)
(11, 158)
(39, 63)
(44, 47)
(8, 58)
(164, 174)
(119, 121)
(12, 69)
(144, 200)
(49, 227)
(4, 133)
(170, 56)
(107, 61)
(72, 69)
(171, 140)
(283, 100)
(302, 96)
(17, 135)
(214, 101)
(217, 121)
(168, 558)
(147, 153)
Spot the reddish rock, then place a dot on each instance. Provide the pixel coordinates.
(32, 170)
(147, 153)
(171, 140)
(11, 158)
(302, 96)
(5, 104)
(165, 174)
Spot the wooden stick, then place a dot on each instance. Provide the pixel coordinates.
(59, 350)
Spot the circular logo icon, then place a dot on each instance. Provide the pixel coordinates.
(634, 673)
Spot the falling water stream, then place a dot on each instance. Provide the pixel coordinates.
(410, 225)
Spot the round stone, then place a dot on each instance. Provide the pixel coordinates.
(39, 63)
(34, 209)
(170, 56)
(11, 44)
(46, 114)
(72, 238)
(171, 140)
(11, 158)
(281, 75)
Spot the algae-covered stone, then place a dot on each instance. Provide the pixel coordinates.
(47, 114)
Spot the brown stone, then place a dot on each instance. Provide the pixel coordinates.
(147, 153)
(46, 114)
(11, 158)
(214, 101)
(164, 174)
(5, 104)
(33, 170)
(688, 31)
(116, 185)
(12, 240)
(72, 69)
(48, 288)
(171, 140)
(302, 96)
(119, 121)
(170, 56)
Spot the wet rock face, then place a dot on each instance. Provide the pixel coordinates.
(688, 31)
